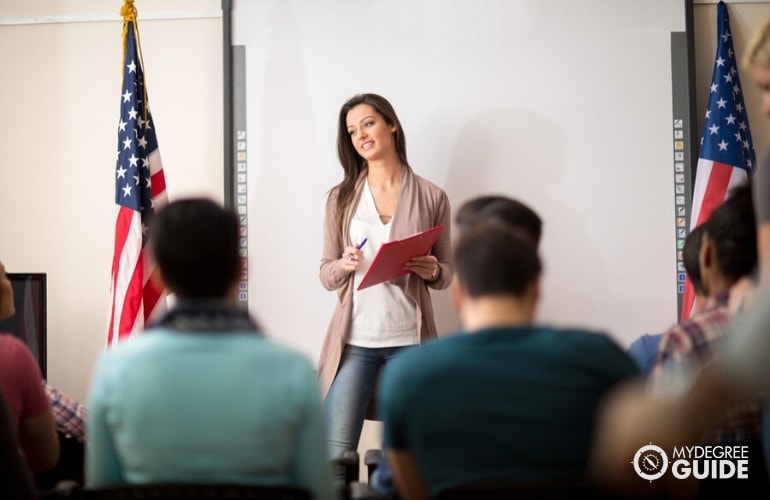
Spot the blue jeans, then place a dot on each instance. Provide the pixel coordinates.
(346, 401)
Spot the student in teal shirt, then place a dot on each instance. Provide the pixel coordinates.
(504, 400)
(203, 396)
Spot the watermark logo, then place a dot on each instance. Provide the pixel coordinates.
(650, 462)
(713, 462)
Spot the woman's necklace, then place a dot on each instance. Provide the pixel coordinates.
(383, 217)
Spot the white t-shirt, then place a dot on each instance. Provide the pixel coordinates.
(383, 315)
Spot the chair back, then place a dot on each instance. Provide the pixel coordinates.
(550, 490)
(489, 491)
(193, 491)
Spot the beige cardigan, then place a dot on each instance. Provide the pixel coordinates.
(421, 205)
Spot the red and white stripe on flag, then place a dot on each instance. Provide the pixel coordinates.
(136, 296)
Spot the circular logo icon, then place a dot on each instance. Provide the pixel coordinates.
(650, 462)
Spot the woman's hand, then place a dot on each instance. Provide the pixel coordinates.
(351, 259)
(426, 267)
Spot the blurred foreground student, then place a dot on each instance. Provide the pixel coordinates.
(486, 208)
(504, 400)
(632, 416)
(756, 61)
(698, 397)
(728, 255)
(481, 209)
(202, 396)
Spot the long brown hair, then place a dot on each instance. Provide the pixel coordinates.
(351, 161)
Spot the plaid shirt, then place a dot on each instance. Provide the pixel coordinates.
(690, 344)
(70, 415)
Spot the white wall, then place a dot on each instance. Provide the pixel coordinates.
(565, 105)
(60, 91)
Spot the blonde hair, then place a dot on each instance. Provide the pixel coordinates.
(758, 48)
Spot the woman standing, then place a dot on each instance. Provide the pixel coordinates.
(379, 200)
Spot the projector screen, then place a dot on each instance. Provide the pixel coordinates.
(565, 105)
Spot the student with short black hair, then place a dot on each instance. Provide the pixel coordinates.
(503, 209)
(479, 210)
(728, 254)
(504, 400)
(202, 396)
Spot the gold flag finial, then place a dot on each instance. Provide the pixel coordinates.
(128, 11)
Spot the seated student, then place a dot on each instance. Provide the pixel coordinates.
(504, 400)
(632, 416)
(736, 371)
(644, 349)
(28, 405)
(202, 396)
(481, 209)
(728, 254)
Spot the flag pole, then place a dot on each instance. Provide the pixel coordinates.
(128, 12)
(140, 190)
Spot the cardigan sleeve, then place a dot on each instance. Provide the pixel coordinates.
(442, 249)
(331, 274)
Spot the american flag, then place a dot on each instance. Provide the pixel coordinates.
(140, 189)
(726, 156)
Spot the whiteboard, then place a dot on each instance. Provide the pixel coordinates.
(563, 104)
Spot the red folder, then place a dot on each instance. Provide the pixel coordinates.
(390, 259)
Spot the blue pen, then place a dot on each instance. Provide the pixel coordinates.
(361, 245)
